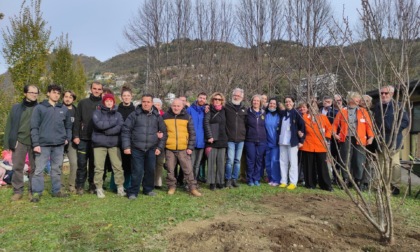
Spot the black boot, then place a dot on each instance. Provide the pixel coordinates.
(212, 187)
(228, 183)
(235, 183)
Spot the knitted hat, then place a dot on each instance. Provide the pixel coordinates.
(157, 100)
(108, 97)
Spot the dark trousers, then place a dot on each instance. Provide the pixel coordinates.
(316, 170)
(84, 155)
(142, 171)
(254, 159)
(18, 159)
(352, 158)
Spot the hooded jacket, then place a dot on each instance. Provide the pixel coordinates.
(50, 125)
(197, 114)
(140, 130)
(181, 134)
(107, 125)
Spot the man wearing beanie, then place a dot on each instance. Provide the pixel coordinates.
(107, 123)
(82, 132)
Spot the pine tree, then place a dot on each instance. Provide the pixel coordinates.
(62, 64)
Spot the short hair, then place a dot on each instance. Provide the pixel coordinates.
(220, 94)
(327, 97)
(202, 93)
(289, 97)
(337, 95)
(126, 89)
(390, 88)
(26, 88)
(71, 93)
(147, 95)
(352, 95)
(95, 82)
(303, 104)
(259, 96)
(107, 90)
(55, 87)
(240, 90)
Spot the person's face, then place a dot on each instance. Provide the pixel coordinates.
(158, 105)
(109, 103)
(256, 102)
(263, 99)
(68, 99)
(54, 95)
(126, 97)
(338, 101)
(327, 103)
(96, 89)
(146, 103)
(386, 96)
(177, 106)
(217, 100)
(201, 100)
(281, 106)
(288, 103)
(272, 104)
(303, 109)
(32, 94)
(355, 100)
(237, 96)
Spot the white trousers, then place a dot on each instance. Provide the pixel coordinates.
(289, 155)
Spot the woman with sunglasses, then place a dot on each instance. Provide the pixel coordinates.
(215, 134)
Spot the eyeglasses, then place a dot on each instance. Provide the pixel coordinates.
(32, 93)
(217, 99)
(384, 93)
(337, 100)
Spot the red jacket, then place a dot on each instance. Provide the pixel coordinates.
(364, 124)
(316, 131)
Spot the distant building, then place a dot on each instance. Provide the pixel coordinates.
(318, 86)
(120, 83)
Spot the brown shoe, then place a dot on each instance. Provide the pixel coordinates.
(80, 191)
(171, 191)
(195, 193)
(16, 197)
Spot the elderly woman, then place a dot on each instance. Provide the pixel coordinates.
(215, 134)
(292, 136)
(272, 122)
(355, 131)
(255, 141)
(314, 149)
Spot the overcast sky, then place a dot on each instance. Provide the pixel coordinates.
(95, 26)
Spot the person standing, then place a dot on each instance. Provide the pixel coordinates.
(160, 159)
(50, 131)
(387, 115)
(82, 132)
(272, 122)
(140, 140)
(17, 138)
(69, 97)
(236, 131)
(197, 111)
(179, 146)
(255, 141)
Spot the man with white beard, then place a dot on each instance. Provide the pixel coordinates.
(236, 131)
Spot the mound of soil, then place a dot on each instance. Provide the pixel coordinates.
(289, 222)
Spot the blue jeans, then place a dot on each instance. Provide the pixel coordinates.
(142, 171)
(55, 155)
(234, 154)
(272, 164)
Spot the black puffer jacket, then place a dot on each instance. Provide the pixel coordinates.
(107, 125)
(216, 120)
(140, 130)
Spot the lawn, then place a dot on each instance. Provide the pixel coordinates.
(86, 223)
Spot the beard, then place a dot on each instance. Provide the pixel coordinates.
(67, 104)
(236, 102)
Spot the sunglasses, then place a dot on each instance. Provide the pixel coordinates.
(384, 93)
(217, 99)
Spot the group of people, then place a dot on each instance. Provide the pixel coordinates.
(282, 143)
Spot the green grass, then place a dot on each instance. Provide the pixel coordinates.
(86, 223)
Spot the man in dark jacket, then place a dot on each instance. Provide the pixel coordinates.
(179, 146)
(17, 138)
(236, 131)
(50, 131)
(387, 116)
(82, 132)
(143, 137)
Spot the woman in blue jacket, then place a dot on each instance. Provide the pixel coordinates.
(255, 141)
(107, 124)
(272, 123)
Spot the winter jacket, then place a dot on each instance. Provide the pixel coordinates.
(255, 126)
(125, 111)
(83, 126)
(272, 122)
(181, 134)
(316, 131)
(331, 113)
(364, 128)
(216, 120)
(107, 124)
(197, 114)
(296, 124)
(50, 125)
(384, 121)
(140, 130)
(235, 122)
(11, 133)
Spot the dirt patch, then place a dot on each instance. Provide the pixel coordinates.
(289, 223)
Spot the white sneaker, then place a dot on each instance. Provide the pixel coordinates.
(121, 192)
(100, 193)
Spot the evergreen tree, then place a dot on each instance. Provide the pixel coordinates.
(62, 64)
(80, 79)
